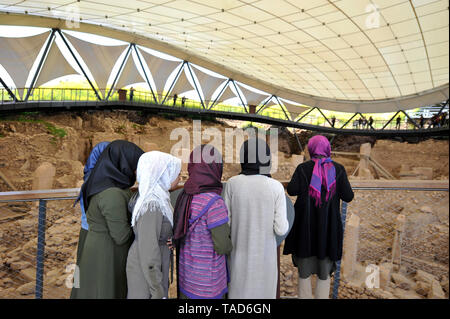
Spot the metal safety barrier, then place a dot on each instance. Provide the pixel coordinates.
(43, 196)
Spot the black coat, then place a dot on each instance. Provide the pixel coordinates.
(317, 231)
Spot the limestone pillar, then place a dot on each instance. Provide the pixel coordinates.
(364, 152)
(385, 274)
(306, 155)
(397, 245)
(297, 160)
(350, 248)
(43, 176)
(183, 154)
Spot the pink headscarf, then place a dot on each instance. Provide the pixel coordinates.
(324, 172)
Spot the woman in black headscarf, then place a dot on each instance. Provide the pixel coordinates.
(106, 194)
(257, 211)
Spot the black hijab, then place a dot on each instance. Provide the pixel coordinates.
(115, 168)
(255, 157)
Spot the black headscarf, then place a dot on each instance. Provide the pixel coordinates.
(255, 157)
(115, 168)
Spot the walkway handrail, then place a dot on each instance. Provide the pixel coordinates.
(72, 193)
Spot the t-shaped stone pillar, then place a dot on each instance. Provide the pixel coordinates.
(43, 176)
(296, 160)
(350, 249)
(397, 245)
(364, 164)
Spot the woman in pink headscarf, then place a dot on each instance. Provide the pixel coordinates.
(201, 230)
(315, 240)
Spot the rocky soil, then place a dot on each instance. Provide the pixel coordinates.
(26, 142)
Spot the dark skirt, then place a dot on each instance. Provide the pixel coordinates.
(314, 266)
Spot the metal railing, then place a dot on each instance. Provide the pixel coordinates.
(43, 218)
(78, 95)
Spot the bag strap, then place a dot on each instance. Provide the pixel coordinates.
(205, 209)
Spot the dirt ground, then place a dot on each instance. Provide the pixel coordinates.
(28, 141)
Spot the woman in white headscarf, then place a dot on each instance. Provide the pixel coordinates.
(152, 221)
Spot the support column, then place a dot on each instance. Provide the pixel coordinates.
(40, 250)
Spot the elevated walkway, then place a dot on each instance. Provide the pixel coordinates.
(67, 99)
(53, 106)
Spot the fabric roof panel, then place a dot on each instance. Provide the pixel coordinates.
(376, 49)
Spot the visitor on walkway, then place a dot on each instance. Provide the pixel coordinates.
(132, 93)
(152, 221)
(175, 97)
(257, 211)
(183, 100)
(202, 231)
(365, 124)
(106, 193)
(421, 121)
(397, 125)
(371, 122)
(90, 164)
(360, 123)
(315, 240)
(333, 121)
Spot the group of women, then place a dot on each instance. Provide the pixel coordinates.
(224, 236)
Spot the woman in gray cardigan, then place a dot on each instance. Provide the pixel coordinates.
(152, 220)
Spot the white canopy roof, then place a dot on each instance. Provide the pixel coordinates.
(345, 55)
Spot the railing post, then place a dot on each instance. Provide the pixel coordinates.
(40, 257)
(337, 275)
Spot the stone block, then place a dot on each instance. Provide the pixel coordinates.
(404, 168)
(422, 288)
(402, 281)
(27, 289)
(365, 173)
(424, 277)
(365, 149)
(406, 294)
(425, 173)
(29, 274)
(436, 291)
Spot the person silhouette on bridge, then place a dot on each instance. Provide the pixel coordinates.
(183, 100)
(421, 121)
(175, 97)
(333, 121)
(397, 125)
(370, 122)
(132, 93)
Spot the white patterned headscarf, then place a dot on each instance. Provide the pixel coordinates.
(156, 171)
